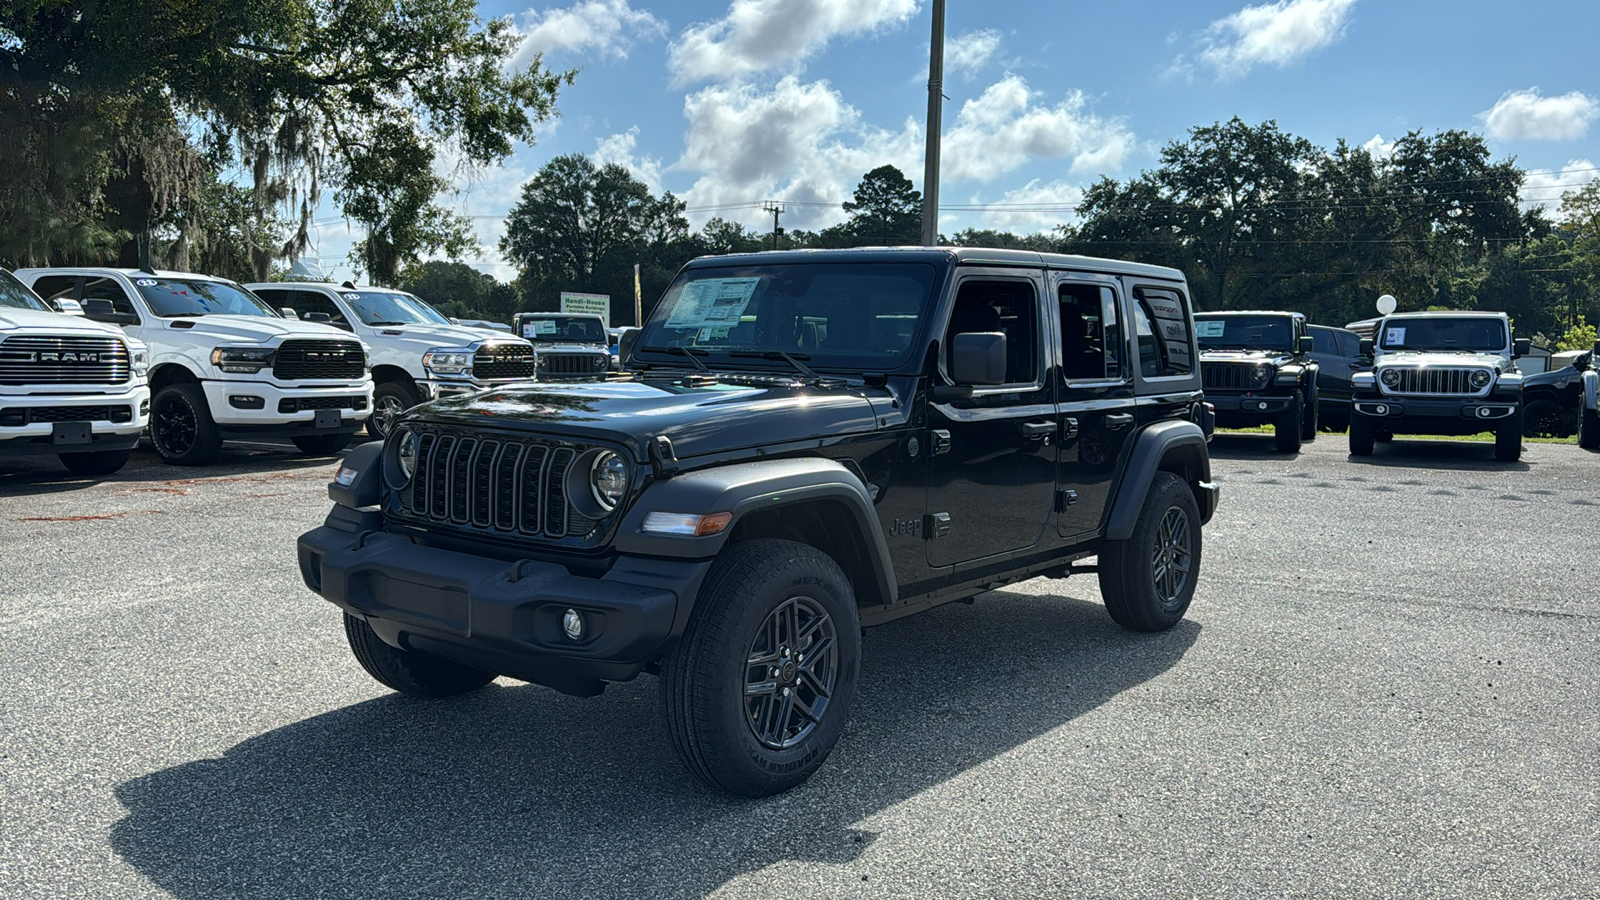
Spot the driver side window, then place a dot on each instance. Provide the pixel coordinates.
(109, 289)
(1007, 307)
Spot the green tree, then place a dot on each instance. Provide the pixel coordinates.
(886, 211)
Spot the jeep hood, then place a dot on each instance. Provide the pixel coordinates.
(1253, 356)
(1417, 359)
(427, 337)
(697, 418)
(251, 329)
(55, 323)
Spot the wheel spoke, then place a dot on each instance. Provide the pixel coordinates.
(785, 710)
(816, 653)
(816, 685)
(760, 688)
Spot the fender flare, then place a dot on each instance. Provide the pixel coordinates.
(745, 488)
(1150, 448)
(1591, 390)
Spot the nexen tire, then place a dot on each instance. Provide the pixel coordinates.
(1137, 575)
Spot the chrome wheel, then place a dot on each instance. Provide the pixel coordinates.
(385, 409)
(790, 673)
(176, 426)
(1173, 558)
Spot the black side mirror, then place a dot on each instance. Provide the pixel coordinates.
(324, 318)
(1521, 347)
(101, 310)
(1364, 347)
(625, 346)
(1307, 343)
(978, 358)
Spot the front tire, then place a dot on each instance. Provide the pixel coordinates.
(757, 692)
(1290, 427)
(1148, 580)
(1362, 435)
(181, 426)
(1308, 420)
(1589, 430)
(407, 671)
(1542, 418)
(322, 444)
(1508, 439)
(98, 462)
(389, 400)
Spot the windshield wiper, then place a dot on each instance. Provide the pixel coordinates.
(691, 353)
(793, 360)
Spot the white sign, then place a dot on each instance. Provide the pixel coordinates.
(1395, 337)
(712, 302)
(587, 304)
(1210, 328)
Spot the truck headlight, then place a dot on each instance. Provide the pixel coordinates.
(448, 360)
(1480, 379)
(1390, 377)
(141, 362)
(242, 360)
(608, 479)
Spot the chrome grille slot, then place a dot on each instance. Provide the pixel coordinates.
(26, 359)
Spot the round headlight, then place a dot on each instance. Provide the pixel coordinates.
(1480, 379)
(1390, 377)
(1261, 372)
(608, 478)
(405, 454)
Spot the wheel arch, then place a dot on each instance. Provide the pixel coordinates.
(167, 374)
(385, 373)
(1175, 445)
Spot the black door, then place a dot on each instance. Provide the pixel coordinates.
(1096, 406)
(992, 470)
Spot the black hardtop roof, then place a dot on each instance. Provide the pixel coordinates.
(942, 255)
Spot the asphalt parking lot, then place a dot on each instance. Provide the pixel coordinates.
(1388, 686)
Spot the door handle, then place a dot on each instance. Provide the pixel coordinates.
(1119, 420)
(1038, 429)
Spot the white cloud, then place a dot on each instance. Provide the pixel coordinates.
(1273, 34)
(621, 149)
(1033, 207)
(759, 35)
(1003, 130)
(1379, 148)
(1544, 187)
(798, 142)
(1527, 115)
(967, 53)
(604, 28)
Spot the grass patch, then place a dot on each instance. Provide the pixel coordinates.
(1483, 437)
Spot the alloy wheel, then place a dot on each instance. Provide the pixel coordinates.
(176, 426)
(384, 412)
(1173, 558)
(790, 673)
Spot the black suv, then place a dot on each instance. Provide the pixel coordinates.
(803, 444)
(1258, 370)
(567, 346)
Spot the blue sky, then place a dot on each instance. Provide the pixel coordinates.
(728, 103)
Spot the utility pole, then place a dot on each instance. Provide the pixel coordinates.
(776, 208)
(930, 166)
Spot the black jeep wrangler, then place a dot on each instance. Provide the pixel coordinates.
(803, 444)
(1257, 370)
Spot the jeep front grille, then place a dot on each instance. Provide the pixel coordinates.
(510, 487)
(1436, 381)
(574, 364)
(497, 362)
(309, 359)
(1230, 377)
(25, 359)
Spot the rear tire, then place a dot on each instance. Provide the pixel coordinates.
(1508, 439)
(1147, 581)
(98, 462)
(768, 606)
(1589, 430)
(322, 444)
(406, 671)
(181, 426)
(1362, 435)
(1290, 427)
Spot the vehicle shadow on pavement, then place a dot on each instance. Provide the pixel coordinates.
(42, 475)
(1425, 454)
(1249, 445)
(518, 791)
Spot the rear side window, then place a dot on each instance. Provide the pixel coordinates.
(1162, 325)
(1091, 336)
(1322, 341)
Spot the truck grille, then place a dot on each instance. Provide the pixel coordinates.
(1229, 377)
(23, 415)
(307, 359)
(512, 487)
(1442, 382)
(494, 362)
(64, 360)
(569, 365)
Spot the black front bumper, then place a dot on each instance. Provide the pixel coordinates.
(1248, 410)
(496, 615)
(1426, 415)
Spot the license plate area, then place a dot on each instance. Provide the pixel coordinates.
(327, 418)
(71, 433)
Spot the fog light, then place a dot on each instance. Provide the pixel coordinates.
(1485, 412)
(572, 624)
(245, 401)
(1380, 410)
(1261, 405)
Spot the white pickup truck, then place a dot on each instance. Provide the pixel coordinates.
(223, 364)
(417, 354)
(68, 386)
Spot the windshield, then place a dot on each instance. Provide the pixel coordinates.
(15, 295)
(385, 308)
(575, 329)
(172, 297)
(1245, 332)
(856, 317)
(1475, 333)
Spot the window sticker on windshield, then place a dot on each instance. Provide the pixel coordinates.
(1210, 328)
(712, 302)
(538, 327)
(1394, 336)
(146, 282)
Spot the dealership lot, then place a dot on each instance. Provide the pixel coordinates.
(1387, 686)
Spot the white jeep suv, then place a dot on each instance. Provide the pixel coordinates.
(223, 364)
(417, 354)
(68, 386)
